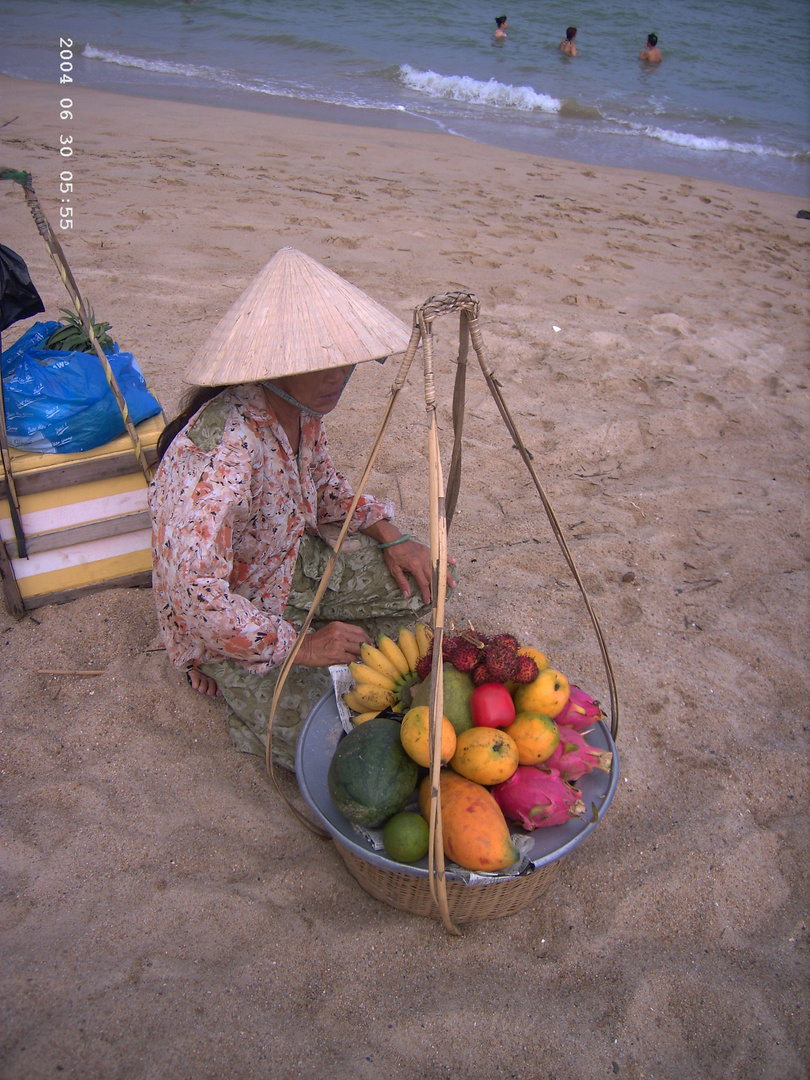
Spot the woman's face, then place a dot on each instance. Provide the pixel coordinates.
(318, 390)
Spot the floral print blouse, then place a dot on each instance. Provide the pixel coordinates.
(229, 503)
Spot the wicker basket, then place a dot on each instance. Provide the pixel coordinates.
(409, 889)
(466, 902)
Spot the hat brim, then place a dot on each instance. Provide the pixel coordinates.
(296, 316)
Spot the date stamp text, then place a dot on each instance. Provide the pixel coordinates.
(66, 134)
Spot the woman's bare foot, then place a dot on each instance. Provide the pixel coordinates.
(203, 683)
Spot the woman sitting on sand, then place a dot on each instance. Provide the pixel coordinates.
(246, 498)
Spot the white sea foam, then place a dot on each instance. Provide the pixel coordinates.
(713, 144)
(473, 91)
(275, 88)
(163, 67)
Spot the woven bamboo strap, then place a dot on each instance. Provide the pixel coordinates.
(467, 306)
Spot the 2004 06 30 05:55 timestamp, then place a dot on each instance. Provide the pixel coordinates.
(65, 139)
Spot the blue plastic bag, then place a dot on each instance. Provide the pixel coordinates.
(60, 402)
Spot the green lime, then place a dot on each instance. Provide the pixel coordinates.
(405, 837)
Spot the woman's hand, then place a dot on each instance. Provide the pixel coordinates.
(335, 643)
(411, 557)
(403, 557)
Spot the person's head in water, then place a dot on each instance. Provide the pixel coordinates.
(500, 22)
(651, 54)
(567, 46)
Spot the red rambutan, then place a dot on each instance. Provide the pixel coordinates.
(527, 670)
(449, 646)
(425, 666)
(509, 640)
(480, 674)
(501, 662)
(465, 655)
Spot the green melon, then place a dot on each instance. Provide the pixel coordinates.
(370, 776)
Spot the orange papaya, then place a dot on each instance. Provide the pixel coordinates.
(474, 830)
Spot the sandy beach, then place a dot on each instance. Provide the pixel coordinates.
(163, 913)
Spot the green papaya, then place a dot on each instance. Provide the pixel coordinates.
(458, 687)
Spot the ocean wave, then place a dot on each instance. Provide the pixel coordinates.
(710, 144)
(161, 67)
(272, 88)
(473, 91)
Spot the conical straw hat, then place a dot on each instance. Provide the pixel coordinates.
(296, 316)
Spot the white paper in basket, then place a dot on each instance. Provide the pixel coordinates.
(342, 682)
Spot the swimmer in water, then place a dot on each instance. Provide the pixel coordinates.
(567, 47)
(651, 53)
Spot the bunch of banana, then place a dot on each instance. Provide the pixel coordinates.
(385, 674)
(74, 338)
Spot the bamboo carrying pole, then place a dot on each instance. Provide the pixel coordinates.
(438, 556)
(442, 506)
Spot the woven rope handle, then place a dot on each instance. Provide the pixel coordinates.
(468, 307)
(495, 390)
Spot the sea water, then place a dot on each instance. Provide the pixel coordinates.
(729, 101)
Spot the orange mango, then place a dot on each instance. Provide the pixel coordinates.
(548, 694)
(539, 658)
(536, 736)
(415, 737)
(486, 755)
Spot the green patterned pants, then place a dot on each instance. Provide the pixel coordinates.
(361, 591)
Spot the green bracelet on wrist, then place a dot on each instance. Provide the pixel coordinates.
(399, 540)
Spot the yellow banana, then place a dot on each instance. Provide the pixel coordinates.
(360, 718)
(368, 698)
(391, 651)
(354, 703)
(410, 649)
(376, 660)
(424, 639)
(351, 700)
(362, 673)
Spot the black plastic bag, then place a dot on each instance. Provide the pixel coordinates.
(18, 297)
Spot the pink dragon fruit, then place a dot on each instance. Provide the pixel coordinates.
(580, 711)
(574, 756)
(537, 798)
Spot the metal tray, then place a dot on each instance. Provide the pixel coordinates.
(320, 735)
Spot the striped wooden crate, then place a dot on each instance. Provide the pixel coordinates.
(84, 517)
